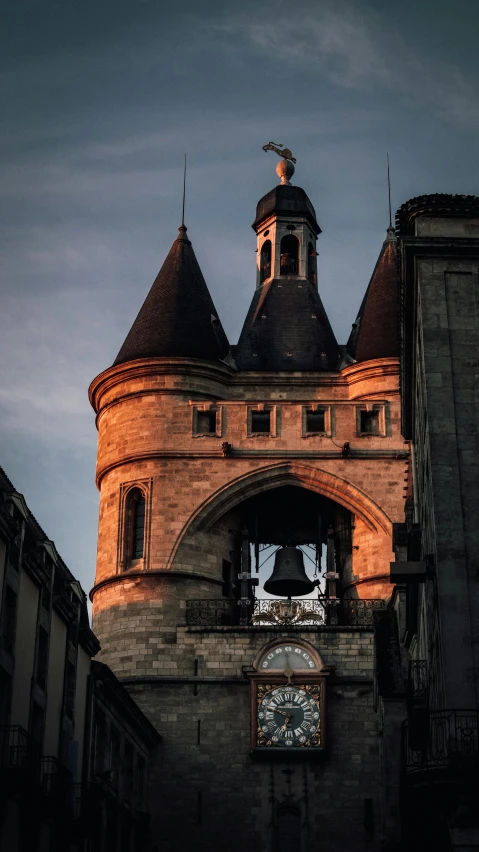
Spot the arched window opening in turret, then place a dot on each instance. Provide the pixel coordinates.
(289, 255)
(312, 265)
(265, 261)
(135, 525)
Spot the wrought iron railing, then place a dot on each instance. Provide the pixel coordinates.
(212, 613)
(418, 682)
(307, 611)
(56, 780)
(450, 739)
(288, 266)
(18, 751)
(353, 612)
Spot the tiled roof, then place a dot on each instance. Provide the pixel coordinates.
(178, 317)
(438, 204)
(375, 333)
(287, 329)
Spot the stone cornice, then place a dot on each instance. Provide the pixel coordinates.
(374, 369)
(397, 454)
(143, 367)
(158, 573)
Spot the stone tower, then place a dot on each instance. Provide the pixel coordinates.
(208, 455)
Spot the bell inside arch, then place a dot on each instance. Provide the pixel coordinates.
(289, 579)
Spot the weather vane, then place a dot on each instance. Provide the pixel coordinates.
(278, 149)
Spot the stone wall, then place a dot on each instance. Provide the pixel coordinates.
(212, 794)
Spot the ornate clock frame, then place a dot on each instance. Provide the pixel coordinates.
(312, 680)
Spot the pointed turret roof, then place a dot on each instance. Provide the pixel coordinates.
(178, 317)
(287, 328)
(375, 332)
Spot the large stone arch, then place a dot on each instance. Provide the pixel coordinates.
(254, 482)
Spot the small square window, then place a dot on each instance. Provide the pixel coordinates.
(261, 422)
(369, 422)
(315, 421)
(206, 423)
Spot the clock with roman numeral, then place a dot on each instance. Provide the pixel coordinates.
(288, 715)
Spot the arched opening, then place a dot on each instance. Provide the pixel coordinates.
(289, 254)
(135, 526)
(265, 261)
(288, 827)
(312, 265)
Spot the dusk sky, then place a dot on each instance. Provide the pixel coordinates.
(101, 99)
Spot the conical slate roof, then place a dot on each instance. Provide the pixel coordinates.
(178, 317)
(287, 329)
(375, 333)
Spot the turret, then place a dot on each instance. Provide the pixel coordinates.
(286, 327)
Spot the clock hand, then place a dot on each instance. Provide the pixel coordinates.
(269, 707)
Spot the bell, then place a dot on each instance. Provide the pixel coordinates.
(289, 579)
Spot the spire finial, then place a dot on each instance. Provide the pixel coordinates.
(391, 232)
(285, 168)
(389, 192)
(184, 192)
(182, 229)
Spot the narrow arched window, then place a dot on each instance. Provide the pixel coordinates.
(288, 828)
(289, 253)
(265, 261)
(312, 266)
(135, 516)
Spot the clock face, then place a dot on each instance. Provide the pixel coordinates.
(288, 716)
(288, 657)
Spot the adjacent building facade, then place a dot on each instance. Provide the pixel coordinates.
(60, 710)
(439, 262)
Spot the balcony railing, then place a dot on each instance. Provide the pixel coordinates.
(19, 752)
(288, 266)
(305, 611)
(418, 682)
(450, 740)
(56, 780)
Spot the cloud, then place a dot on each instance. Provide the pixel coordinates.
(352, 49)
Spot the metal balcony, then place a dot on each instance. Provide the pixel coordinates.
(450, 740)
(223, 612)
(19, 753)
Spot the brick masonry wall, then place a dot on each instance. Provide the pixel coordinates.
(212, 794)
(238, 795)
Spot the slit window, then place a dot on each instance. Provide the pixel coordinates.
(138, 527)
(265, 261)
(135, 525)
(261, 422)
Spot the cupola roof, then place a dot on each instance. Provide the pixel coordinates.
(286, 200)
(375, 333)
(178, 317)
